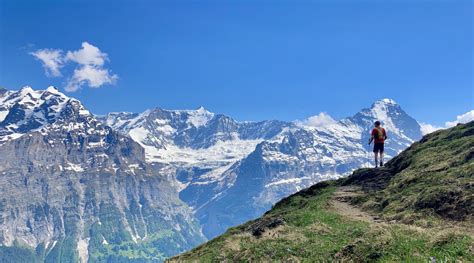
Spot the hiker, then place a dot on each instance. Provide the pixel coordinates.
(378, 135)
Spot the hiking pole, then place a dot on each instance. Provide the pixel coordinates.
(368, 155)
(368, 150)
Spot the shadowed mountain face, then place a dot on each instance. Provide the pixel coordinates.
(418, 207)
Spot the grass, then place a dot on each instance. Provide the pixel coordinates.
(130, 250)
(314, 233)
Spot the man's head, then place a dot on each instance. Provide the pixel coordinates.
(377, 123)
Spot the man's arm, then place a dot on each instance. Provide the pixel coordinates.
(371, 137)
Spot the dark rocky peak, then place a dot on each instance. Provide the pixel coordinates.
(222, 123)
(3, 91)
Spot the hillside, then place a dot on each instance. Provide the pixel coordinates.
(419, 207)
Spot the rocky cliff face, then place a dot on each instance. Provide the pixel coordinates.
(195, 147)
(230, 172)
(74, 189)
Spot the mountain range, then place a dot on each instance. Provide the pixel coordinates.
(146, 186)
(229, 172)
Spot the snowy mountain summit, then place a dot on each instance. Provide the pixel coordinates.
(32, 110)
(119, 179)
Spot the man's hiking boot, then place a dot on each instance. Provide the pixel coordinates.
(381, 164)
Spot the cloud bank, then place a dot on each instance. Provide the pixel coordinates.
(89, 69)
(428, 128)
(463, 118)
(321, 120)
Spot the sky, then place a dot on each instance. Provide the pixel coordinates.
(252, 60)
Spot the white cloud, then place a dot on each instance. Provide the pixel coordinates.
(51, 59)
(89, 66)
(428, 128)
(321, 120)
(87, 55)
(464, 118)
(91, 76)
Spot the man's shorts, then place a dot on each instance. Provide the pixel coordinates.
(378, 147)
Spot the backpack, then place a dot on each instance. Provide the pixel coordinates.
(379, 134)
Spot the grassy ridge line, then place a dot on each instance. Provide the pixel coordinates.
(315, 233)
(424, 195)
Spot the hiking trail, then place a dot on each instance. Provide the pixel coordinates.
(340, 203)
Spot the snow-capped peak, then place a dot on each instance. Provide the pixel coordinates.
(27, 93)
(200, 117)
(393, 118)
(28, 110)
(25, 90)
(201, 109)
(54, 90)
(384, 103)
(387, 101)
(382, 110)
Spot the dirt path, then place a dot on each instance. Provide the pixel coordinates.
(340, 204)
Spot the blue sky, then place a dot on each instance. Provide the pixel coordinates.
(253, 60)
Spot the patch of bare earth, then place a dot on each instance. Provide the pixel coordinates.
(340, 203)
(233, 244)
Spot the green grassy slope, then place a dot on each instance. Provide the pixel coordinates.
(419, 207)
